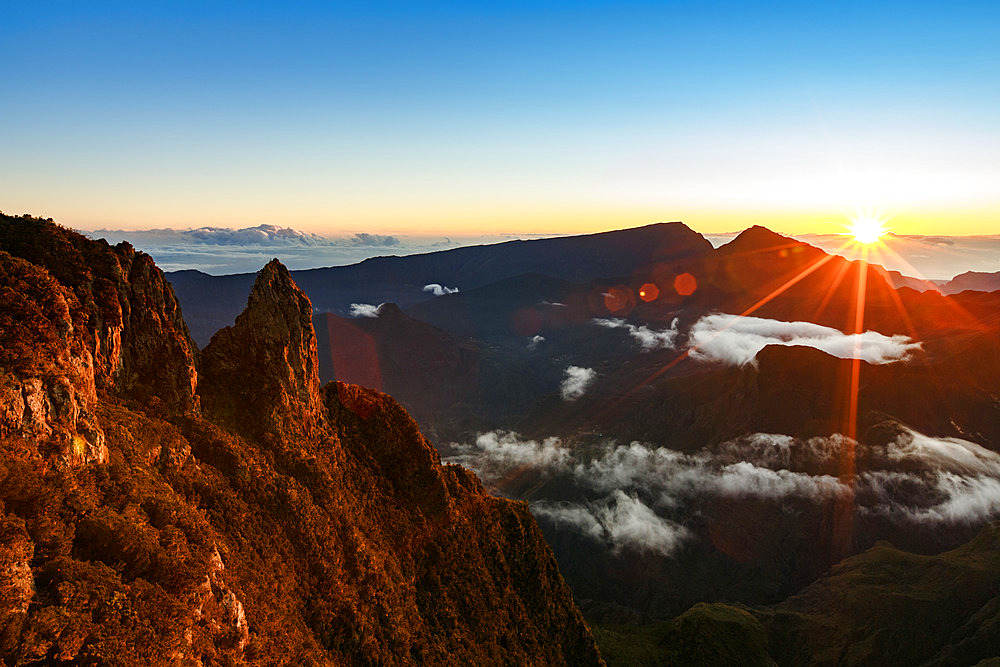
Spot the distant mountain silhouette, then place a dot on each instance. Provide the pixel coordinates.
(899, 280)
(210, 302)
(973, 280)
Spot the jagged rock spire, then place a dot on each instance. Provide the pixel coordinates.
(262, 374)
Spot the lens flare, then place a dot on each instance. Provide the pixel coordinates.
(685, 284)
(649, 292)
(867, 230)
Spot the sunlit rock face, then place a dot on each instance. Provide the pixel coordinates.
(262, 374)
(121, 307)
(47, 385)
(156, 355)
(286, 523)
(82, 318)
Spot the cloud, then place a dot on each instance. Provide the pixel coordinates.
(629, 522)
(535, 341)
(939, 240)
(674, 478)
(439, 290)
(640, 496)
(570, 515)
(648, 339)
(219, 250)
(259, 235)
(736, 340)
(576, 382)
(364, 310)
(377, 240)
(968, 500)
(496, 454)
(955, 455)
(266, 235)
(620, 520)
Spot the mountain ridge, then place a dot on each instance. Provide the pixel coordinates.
(209, 300)
(310, 524)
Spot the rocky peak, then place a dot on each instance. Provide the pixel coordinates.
(121, 307)
(261, 375)
(156, 355)
(759, 238)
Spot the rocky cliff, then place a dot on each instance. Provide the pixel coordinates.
(79, 316)
(237, 513)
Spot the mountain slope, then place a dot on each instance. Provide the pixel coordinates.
(973, 280)
(260, 520)
(883, 606)
(211, 302)
(890, 606)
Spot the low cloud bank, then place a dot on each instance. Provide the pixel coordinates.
(268, 235)
(643, 497)
(576, 382)
(364, 310)
(648, 339)
(439, 290)
(261, 235)
(219, 250)
(736, 340)
(373, 240)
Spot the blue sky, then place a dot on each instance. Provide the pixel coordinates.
(445, 117)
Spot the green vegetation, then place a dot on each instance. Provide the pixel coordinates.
(706, 634)
(882, 606)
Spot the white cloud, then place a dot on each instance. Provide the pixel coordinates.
(630, 523)
(675, 477)
(266, 235)
(375, 240)
(967, 500)
(746, 479)
(497, 453)
(439, 290)
(261, 235)
(535, 341)
(621, 520)
(576, 382)
(640, 496)
(951, 454)
(575, 516)
(736, 340)
(364, 310)
(648, 339)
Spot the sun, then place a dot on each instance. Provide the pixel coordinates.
(867, 230)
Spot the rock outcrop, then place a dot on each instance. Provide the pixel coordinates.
(284, 523)
(261, 375)
(47, 380)
(122, 307)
